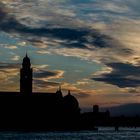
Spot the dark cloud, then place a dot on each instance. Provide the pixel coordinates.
(3, 14)
(71, 37)
(122, 75)
(41, 78)
(42, 83)
(4, 66)
(135, 91)
(44, 74)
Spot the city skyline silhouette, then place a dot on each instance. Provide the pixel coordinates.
(87, 51)
(24, 74)
(35, 111)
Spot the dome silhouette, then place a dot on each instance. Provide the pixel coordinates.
(71, 102)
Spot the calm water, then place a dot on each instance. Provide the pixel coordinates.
(102, 134)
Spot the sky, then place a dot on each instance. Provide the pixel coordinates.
(90, 47)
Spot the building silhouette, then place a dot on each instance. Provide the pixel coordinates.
(27, 110)
(26, 74)
(34, 111)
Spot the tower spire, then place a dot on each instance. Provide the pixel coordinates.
(59, 87)
(26, 51)
(69, 92)
(59, 92)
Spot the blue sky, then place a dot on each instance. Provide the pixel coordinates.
(88, 46)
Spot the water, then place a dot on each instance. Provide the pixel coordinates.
(102, 134)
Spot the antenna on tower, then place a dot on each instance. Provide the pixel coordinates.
(26, 51)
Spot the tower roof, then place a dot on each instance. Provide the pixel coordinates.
(26, 61)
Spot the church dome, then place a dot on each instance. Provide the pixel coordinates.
(71, 102)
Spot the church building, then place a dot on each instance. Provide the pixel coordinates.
(27, 110)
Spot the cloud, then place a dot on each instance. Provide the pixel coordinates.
(73, 37)
(8, 78)
(122, 75)
(12, 47)
(41, 85)
(44, 74)
(15, 58)
(133, 90)
(8, 65)
(43, 77)
(43, 52)
(81, 95)
(80, 41)
(97, 31)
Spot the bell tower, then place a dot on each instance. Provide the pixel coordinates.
(26, 76)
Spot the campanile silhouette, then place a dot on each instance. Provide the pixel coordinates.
(26, 76)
